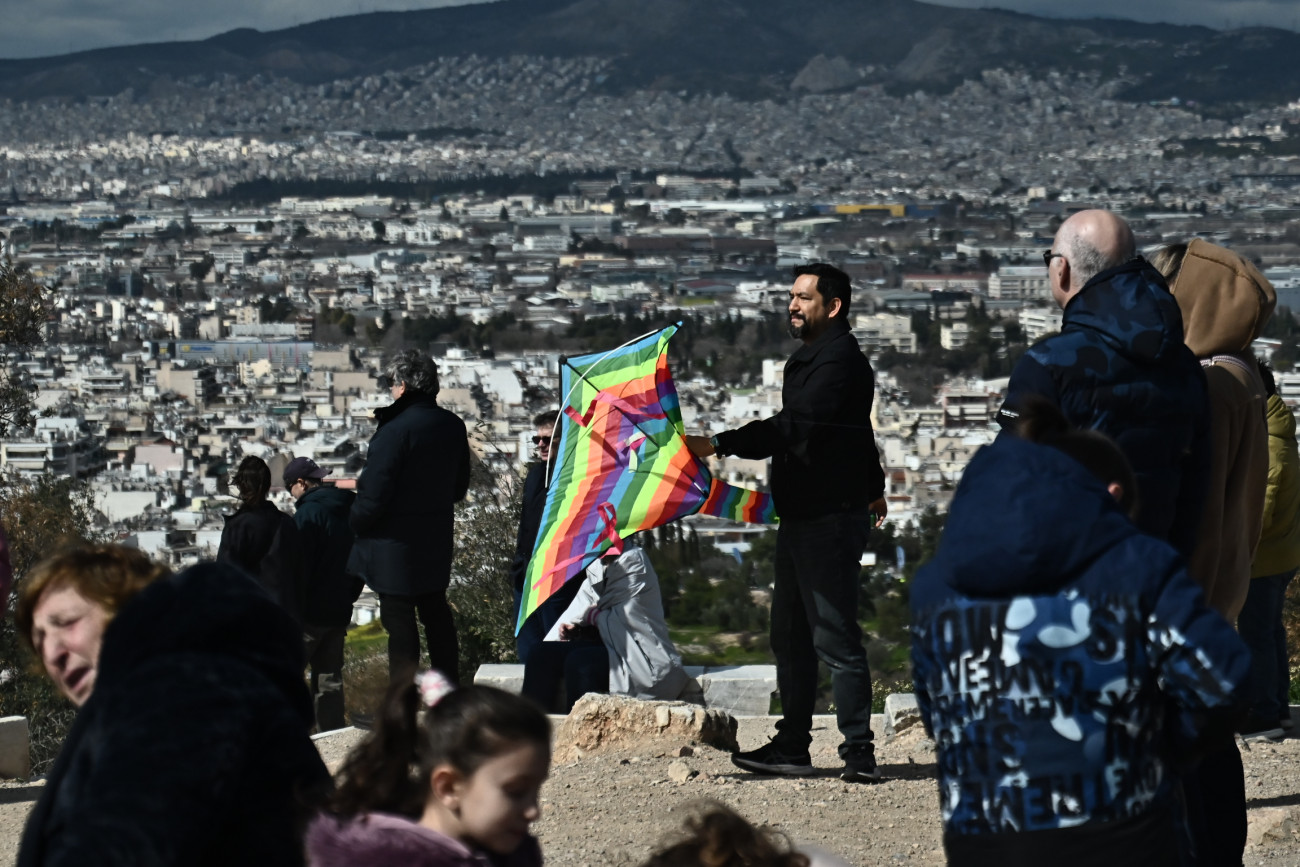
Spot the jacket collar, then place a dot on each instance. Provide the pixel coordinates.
(385, 414)
(835, 329)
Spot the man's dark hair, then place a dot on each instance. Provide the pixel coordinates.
(549, 418)
(831, 283)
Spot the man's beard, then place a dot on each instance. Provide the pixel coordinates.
(799, 328)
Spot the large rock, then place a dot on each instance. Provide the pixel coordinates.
(1272, 825)
(617, 724)
(901, 712)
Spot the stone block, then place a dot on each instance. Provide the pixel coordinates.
(615, 724)
(507, 676)
(15, 748)
(901, 712)
(740, 690)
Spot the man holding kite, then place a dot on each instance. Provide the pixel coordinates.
(828, 488)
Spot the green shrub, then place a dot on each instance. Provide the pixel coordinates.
(39, 517)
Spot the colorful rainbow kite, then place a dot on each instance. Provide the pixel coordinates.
(621, 465)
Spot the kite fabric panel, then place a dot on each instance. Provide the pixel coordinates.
(621, 465)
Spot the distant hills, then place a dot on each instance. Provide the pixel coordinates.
(749, 48)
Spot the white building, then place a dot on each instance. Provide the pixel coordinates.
(1025, 282)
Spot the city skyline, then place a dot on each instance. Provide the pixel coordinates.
(65, 26)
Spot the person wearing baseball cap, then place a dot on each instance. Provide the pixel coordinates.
(322, 518)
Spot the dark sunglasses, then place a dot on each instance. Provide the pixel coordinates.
(1048, 256)
(384, 381)
(537, 441)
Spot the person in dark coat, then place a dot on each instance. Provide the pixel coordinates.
(417, 468)
(1066, 664)
(262, 540)
(329, 590)
(1120, 366)
(829, 489)
(191, 745)
(536, 483)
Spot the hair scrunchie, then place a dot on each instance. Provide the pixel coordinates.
(433, 686)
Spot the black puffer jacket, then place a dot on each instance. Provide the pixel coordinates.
(823, 450)
(263, 541)
(193, 748)
(417, 468)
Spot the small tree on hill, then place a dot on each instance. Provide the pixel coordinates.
(25, 306)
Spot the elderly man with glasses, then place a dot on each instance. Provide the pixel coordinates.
(1119, 366)
(417, 468)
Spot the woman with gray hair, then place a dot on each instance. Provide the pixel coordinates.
(417, 467)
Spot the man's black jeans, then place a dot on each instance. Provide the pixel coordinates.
(397, 614)
(323, 646)
(815, 616)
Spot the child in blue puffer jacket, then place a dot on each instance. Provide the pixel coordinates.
(1065, 663)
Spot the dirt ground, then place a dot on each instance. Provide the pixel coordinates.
(606, 811)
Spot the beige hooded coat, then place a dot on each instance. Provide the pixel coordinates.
(1225, 303)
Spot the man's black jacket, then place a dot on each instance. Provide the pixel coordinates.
(823, 450)
(417, 467)
(530, 521)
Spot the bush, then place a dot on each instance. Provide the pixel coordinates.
(39, 517)
(481, 595)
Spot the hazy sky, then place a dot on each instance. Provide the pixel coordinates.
(33, 28)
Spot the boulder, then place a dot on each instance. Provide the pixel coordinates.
(901, 712)
(615, 724)
(1270, 825)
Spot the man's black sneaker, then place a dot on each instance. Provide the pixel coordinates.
(860, 768)
(771, 759)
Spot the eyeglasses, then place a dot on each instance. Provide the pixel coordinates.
(1048, 256)
(537, 441)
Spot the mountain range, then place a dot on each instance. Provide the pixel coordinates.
(749, 48)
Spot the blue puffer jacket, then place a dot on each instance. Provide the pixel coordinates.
(1061, 656)
(1119, 366)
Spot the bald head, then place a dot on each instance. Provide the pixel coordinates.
(1093, 241)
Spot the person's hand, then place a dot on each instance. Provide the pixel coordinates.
(568, 631)
(699, 446)
(879, 509)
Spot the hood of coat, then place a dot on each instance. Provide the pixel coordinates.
(1225, 300)
(326, 497)
(1281, 423)
(385, 414)
(1131, 308)
(212, 609)
(1026, 519)
(263, 509)
(381, 839)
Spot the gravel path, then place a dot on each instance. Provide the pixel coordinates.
(608, 811)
